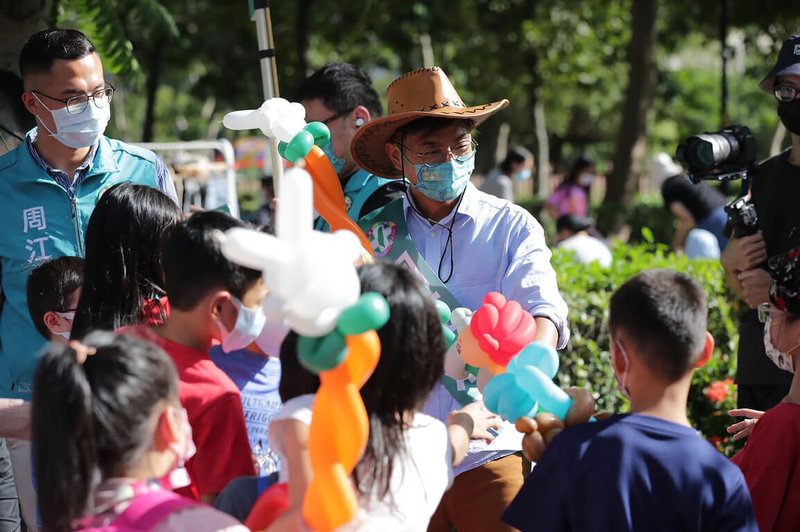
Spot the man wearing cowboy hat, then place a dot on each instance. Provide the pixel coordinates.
(774, 190)
(465, 244)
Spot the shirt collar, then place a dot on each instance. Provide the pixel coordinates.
(466, 210)
(33, 134)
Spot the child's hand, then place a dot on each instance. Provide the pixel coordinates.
(743, 429)
(476, 419)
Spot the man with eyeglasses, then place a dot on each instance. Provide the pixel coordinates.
(49, 186)
(464, 243)
(340, 95)
(775, 189)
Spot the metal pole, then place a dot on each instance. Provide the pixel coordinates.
(269, 77)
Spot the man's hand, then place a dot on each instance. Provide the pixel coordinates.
(755, 286)
(744, 253)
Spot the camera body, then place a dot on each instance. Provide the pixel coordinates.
(723, 156)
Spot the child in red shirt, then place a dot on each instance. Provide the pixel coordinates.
(210, 299)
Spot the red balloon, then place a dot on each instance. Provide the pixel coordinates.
(269, 506)
(502, 328)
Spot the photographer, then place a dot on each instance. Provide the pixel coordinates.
(775, 193)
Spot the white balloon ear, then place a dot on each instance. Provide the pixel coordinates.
(359, 122)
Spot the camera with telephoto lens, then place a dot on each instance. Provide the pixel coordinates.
(724, 156)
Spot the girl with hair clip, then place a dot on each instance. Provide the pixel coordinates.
(408, 463)
(109, 435)
(123, 283)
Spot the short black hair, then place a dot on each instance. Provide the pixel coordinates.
(296, 380)
(44, 47)
(194, 265)
(664, 314)
(342, 87)
(433, 124)
(516, 155)
(49, 287)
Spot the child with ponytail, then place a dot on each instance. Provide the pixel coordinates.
(109, 434)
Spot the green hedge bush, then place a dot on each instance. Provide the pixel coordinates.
(586, 360)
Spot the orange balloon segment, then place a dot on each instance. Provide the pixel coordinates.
(338, 435)
(328, 196)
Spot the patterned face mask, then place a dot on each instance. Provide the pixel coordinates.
(444, 181)
(783, 360)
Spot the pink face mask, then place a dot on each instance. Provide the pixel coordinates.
(179, 477)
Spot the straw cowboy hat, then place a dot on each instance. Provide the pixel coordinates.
(421, 93)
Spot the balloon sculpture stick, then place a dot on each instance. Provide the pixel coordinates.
(314, 287)
(284, 120)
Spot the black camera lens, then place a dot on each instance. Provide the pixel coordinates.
(706, 151)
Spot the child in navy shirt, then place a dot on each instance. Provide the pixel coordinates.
(647, 470)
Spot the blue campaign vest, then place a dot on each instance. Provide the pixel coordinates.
(388, 235)
(40, 220)
(357, 191)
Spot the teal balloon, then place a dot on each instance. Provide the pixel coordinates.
(320, 132)
(443, 310)
(322, 353)
(540, 387)
(539, 354)
(449, 336)
(371, 312)
(299, 146)
(282, 149)
(503, 397)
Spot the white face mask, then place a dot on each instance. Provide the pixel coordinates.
(79, 130)
(67, 316)
(249, 324)
(622, 381)
(783, 360)
(585, 179)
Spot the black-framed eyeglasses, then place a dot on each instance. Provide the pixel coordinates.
(77, 104)
(334, 117)
(461, 153)
(785, 93)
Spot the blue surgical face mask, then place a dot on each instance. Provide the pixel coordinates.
(249, 324)
(444, 181)
(338, 164)
(523, 174)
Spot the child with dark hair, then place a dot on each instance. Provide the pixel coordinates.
(571, 196)
(109, 411)
(769, 460)
(211, 299)
(409, 458)
(54, 288)
(124, 283)
(648, 469)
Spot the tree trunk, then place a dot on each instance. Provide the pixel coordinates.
(302, 35)
(151, 87)
(539, 186)
(18, 20)
(632, 135)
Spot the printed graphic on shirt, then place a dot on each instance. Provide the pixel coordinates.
(37, 246)
(33, 219)
(381, 237)
(258, 413)
(348, 202)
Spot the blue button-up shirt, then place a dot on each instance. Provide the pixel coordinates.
(69, 183)
(497, 247)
